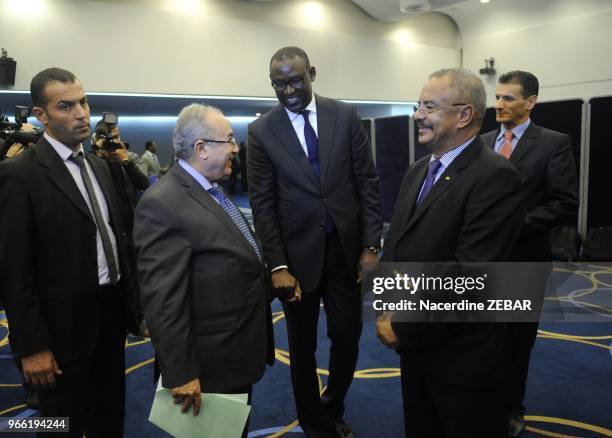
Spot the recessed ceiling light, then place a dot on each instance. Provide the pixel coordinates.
(484, 1)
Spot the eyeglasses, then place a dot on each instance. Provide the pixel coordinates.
(422, 108)
(296, 82)
(231, 140)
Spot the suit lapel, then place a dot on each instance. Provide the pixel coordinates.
(60, 175)
(526, 142)
(283, 129)
(326, 120)
(450, 176)
(197, 192)
(408, 201)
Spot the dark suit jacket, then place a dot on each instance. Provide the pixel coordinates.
(472, 214)
(204, 291)
(545, 163)
(289, 201)
(48, 256)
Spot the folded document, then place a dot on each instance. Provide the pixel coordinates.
(221, 415)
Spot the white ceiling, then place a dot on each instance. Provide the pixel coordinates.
(389, 10)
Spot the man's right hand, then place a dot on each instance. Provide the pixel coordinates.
(39, 369)
(188, 394)
(283, 278)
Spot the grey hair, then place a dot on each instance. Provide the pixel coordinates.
(192, 125)
(467, 87)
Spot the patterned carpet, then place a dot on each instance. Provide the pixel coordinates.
(569, 390)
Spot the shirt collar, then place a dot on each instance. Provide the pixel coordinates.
(201, 179)
(517, 131)
(62, 150)
(312, 107)
(447, 158)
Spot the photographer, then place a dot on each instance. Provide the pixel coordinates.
(19, 136)
(127, 177)
(128, 181)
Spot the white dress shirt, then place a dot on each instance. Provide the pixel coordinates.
(65, 152)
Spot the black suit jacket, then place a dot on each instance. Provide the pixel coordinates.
(289, 201)
(203, 289)
(472, 214)
(48, 256)
(545, 163)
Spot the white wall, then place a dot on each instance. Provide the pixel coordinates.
(147, 46)
(567, 44)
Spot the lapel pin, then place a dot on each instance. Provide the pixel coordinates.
(447, 178)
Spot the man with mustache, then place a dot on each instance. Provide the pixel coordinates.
(462, 203)
(314, 192)
(63, 265)
(545, 162)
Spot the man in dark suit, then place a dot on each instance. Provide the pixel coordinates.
(315, 197)
(461, 204)
(545, 163)
(63, 270)
(204, 285)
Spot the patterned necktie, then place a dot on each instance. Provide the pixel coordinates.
(107, 246)
(429, 180)
(506, 149)
(312, 143)
(234, 213)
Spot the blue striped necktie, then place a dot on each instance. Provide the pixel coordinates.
(234, 213)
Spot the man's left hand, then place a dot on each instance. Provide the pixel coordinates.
(385, 332)
(367, 261)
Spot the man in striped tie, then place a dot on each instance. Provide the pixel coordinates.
(204, 285)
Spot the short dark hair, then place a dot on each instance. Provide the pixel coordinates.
(528, 82)
(149, 143)
(41, 80)
(290, 52)
(103, 128)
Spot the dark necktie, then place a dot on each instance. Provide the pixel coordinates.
(234, 213)
(430, 179)
(312, 143)
(79, 160)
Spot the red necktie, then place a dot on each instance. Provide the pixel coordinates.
(506, 149)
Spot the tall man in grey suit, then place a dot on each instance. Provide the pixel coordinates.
(315, 197)
(64, 274)
(204, 285)
(545, 162)
(461, 204)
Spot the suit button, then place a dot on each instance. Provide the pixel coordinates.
(321, 227)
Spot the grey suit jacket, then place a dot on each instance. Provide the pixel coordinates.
(203, 289)
(289, 201)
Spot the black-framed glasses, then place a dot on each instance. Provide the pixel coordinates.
(296, 82)
(231, 140)
(422, 108)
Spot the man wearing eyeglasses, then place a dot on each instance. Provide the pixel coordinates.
(315, 197)
(463, 203)
(204, 284)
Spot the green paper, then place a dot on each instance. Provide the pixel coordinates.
(221, 415)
